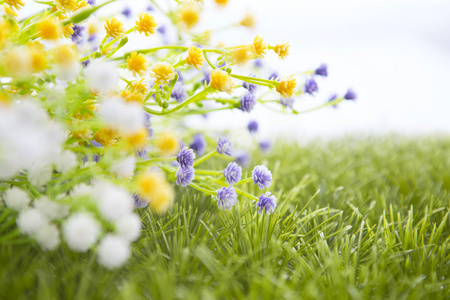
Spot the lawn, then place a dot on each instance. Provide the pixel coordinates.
(356, 219)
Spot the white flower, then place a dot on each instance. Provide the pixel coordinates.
(68, 72)
(125, 167)
(31, 221)
(129, 227)
(48, 237)
(113, 201)
(39, 173)
(65, 161)
(51, 209)
(82, 189)
(113, 252)
(101, 76)
(16, 198)
(81, 231)
(122, 115)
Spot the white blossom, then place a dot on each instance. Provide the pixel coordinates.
(51, 209)
(81, 231)
(30, 221)
(125, 167)
(129, 227)
(101, 76)
(16, 198)
(65, 161)
(113, 201)
(48, 237)
(122, 115)
(113, 252)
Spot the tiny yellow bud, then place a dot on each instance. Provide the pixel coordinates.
(282, 50)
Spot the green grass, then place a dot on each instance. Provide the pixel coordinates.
(378, 229)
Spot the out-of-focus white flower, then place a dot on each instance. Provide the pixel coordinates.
(65, 161)
(82, 189)
(39, 173)
(101, 76)
(81, 231)
(113, 251)
(125, 167)
(48, 237)
(129, 227)
(30, 221)
(121, 115)
(113, 201)
(69, 72)
(51, 209)
(16, 198)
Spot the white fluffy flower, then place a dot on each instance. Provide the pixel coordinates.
(81, 231)
(39, 173)
(113, 201)
(48, 237)
(125, 167)
(129, 227)
(82, 189)
(113, 252)
(65, 161)
(51, 209)
(69, 72)
(122, 115)
(101, 76)
(31, 221)
(16, 198)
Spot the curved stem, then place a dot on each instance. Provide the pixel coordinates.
(206, 191)
(205, 157)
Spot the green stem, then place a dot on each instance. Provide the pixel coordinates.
(205, 157)
(150, 50)
(246, 180)
(250, 196)
(334, 102)
(206, 191)
(155, 159)
(207, 172)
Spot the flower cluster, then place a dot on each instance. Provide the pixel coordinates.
(90, 132)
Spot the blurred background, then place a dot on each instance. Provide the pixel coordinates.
(395, 54)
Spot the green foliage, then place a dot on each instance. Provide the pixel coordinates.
(378, 228)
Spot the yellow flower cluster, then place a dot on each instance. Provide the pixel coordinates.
(146, 24)
(221, 81)
(259, 47)
(153, 187)
(195, 57)
(189, 15)
(114, 28)
(282, 50)
(168, 143)
(137, 63)
(162, 72)
(286, 86)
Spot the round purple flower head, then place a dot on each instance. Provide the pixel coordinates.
(251, 87)
(350, 95)
(232, 173)
(138, 202)
(227, 197)
(198, 144)
(311, 86)
(248, 102)
(207, 77)
(162, 29)
(150, 8)
(126, 12)
(224, 146)
(266, 203)
(288, 102)
(186, 158)
(262, 177)
(184, 176)
(91, 2)
(273, 76)
(322, 70)
(77, 35)
(178, 92)
(265, 145)
(252, 126)
(243, 158)
(258, 63)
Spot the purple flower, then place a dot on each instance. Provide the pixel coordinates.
(178, 92)
(322, 70)
(198, 144)
(258, 63)
(77, 35)
(265, 146)
(266, 203)
(311, 86)
(288, 102)
(273, 76)
(142, 153)
(91, 2)
(332, 98)
(186, 158)
(222, 65)
(85, 63)
(242, 158)
(251, 87)
(248, 102)
(252, 126)
(180, 77)
(138, 202)
(150, 8)
(227, 197)
(224, 146)
(207, 77)
(262, 177)
(184, 176)
(126, 12)
(350, 95)
(232, 173)
(162, 29)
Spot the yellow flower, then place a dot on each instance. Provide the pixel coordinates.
(162, 199)
(195, 57)
(49, 29)
(162, 72)
(65, 55)
(248, 21)
(106, 136)
(282, 50)
(222, 2)
(137, 63)
(189, 15)
(148, 182)
(9, 11)
(68, 30)
(114, 28)
(146, 24)
(168, 143)
(139, 87)
(17, 62)
(137, 140)
(241, 56)
(221, 80)
(17, 4)
(69, 5)
(286, 86)
(6, 30)
(92, 28)
(259, 47)
(38, 56)
(131, 96)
